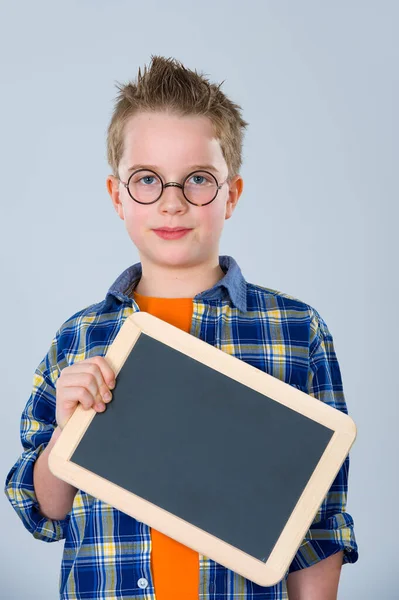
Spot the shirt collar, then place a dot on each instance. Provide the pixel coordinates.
(232, 286)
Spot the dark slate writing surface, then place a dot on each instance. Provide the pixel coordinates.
(203, 446)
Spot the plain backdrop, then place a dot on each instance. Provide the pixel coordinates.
(318, 84)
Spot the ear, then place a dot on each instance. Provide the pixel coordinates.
(113, 190)
(235, 190)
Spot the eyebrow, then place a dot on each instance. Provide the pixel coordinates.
(189, 169)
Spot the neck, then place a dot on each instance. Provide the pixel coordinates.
(160, 281)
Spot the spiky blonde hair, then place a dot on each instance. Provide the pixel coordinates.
(168, 86)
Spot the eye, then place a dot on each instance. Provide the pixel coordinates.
(147, 177)
(200, 179)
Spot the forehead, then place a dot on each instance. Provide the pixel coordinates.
(171, 141)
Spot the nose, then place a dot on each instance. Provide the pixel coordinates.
(173, 200)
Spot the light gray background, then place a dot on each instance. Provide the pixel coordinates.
(318, 83)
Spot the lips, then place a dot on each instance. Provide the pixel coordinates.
(172, 229)
(171, 233)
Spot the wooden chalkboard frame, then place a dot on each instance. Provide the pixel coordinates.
(263, 573)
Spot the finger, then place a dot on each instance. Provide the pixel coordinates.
(106, 370)
(104, 374)
(72, 395)
(88, 377)
(101, 363)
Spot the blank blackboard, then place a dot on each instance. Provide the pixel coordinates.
(224, 458)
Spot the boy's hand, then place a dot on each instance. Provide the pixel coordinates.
(87, 382)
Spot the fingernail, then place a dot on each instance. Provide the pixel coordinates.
(107, 396)
(101, 406)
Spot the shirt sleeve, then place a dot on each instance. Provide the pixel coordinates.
(333, 528)
(37, 424)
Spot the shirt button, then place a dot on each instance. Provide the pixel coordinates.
(142, 583)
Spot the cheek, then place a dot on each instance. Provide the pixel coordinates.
(135, 220)
(213, 220)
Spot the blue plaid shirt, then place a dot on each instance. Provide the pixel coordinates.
(107, 553)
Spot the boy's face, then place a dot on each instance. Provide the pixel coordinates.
(173, 146)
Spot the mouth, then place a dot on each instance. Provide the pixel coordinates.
(171, 233)
(171, 229)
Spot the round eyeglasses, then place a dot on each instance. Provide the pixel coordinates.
(146, 187)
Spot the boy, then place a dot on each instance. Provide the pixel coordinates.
(174, 145)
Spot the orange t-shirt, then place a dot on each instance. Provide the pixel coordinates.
(175, 567)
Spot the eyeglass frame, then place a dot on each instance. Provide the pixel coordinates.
(173, 184)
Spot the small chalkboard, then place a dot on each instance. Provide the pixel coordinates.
(211, 451)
